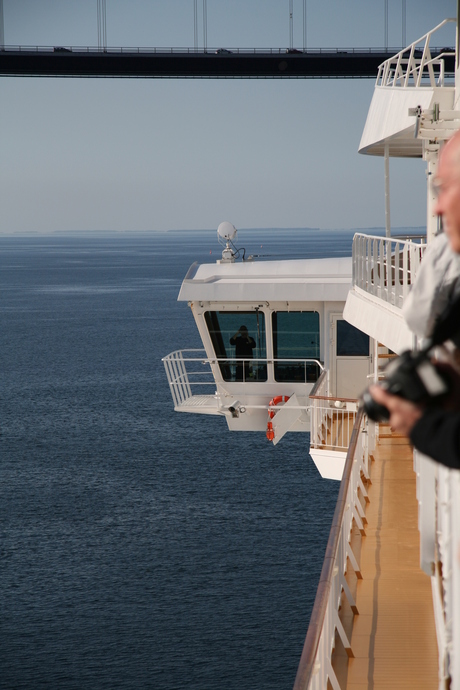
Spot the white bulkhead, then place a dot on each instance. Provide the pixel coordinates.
(292, 310)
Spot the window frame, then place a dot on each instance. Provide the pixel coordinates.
(301, 371)
(230, 366)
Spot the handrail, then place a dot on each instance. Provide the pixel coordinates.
(404, 65)
(320, 383)
(385, 266)
(202, 51)
(332, 398)
(406, 241)
(310, 649)
(441, 487)
(330, 424)
(182, 376)
(268, 360)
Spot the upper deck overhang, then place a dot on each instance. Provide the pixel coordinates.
(418, 78)
(384, 268)
(378, 319)
(389, 122)
(309, 280)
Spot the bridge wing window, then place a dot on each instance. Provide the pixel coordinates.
(238, 338)
(351, 342)
(296, 337)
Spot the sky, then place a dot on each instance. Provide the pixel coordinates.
(145, 154)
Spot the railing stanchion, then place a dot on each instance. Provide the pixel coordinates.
(386, 267)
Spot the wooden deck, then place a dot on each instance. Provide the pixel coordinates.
(393, 638)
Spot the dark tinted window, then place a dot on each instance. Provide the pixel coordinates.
(296, 336)
(242, 353)
(351, 342)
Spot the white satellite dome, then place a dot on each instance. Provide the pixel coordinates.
(226, 231)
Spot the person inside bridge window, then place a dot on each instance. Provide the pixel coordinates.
(244, 346)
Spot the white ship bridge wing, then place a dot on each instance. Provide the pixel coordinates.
(412, 79)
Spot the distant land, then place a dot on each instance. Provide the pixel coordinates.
(406, 230)
(380, 230)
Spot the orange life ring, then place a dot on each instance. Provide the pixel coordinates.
(271, 413)
(276, 401)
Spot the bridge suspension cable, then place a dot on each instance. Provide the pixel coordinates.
(385, 24)
(304, 24)
(205, 24)
(403, 23)
(195, 24)
(101, 24)
(2, 31)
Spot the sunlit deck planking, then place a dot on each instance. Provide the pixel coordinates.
(393, 638)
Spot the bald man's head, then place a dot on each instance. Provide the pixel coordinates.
(447, 184)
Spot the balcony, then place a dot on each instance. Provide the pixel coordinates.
(384, 269)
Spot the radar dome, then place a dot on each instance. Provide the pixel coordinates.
(226, 231)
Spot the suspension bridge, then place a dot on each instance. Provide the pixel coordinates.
(60, 61)
(199, 62)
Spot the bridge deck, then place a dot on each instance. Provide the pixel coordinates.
(162, 63)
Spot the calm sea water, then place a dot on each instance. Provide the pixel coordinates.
(141, 548)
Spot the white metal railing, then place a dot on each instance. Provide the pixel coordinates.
(331, 418)
(344, 50)
(414, 65)
(186, 370)
(321, 387)
(386, 267)
(438, 494)
(315, 668)
(331, 422)
(448, 544)
(181, 376)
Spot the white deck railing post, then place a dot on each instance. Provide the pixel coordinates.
(315, 666)
(405, 70)
(385, 267)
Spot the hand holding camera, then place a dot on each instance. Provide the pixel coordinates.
(414, 382)
(402, 413)
(412, 377)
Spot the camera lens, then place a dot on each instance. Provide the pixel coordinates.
(374, 410)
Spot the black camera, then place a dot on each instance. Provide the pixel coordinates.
(413, 376)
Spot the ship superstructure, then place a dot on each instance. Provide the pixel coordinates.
(387, 612)
(303, 348)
